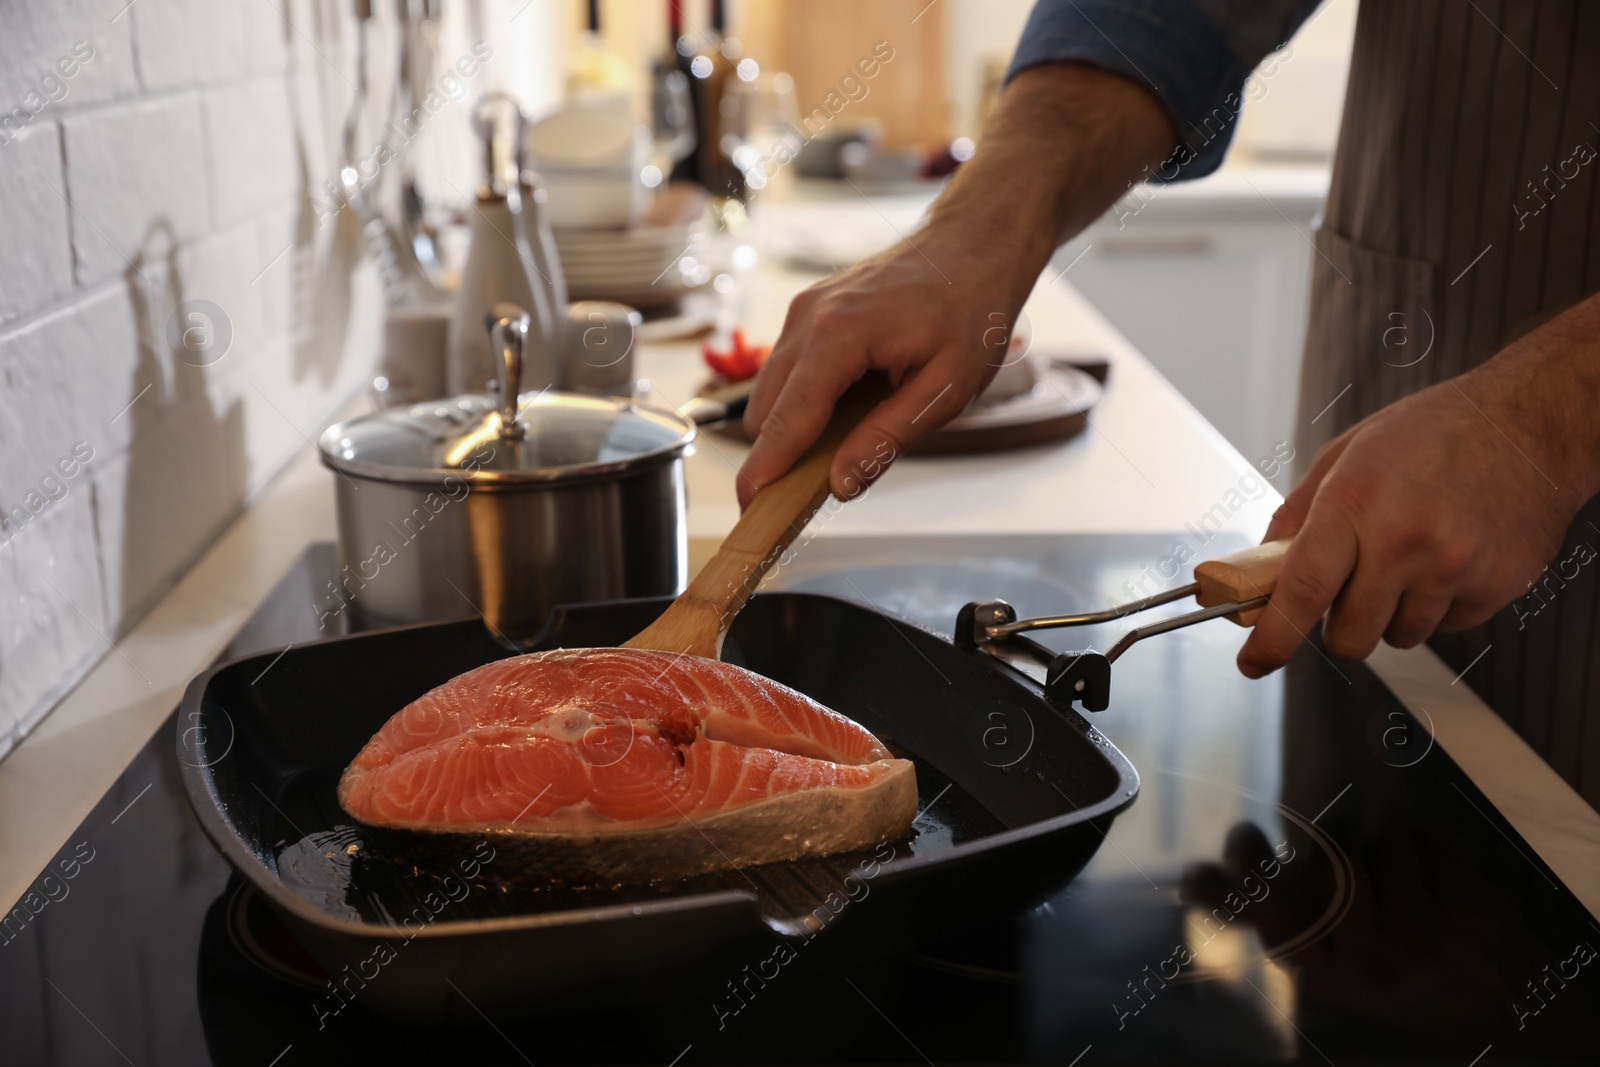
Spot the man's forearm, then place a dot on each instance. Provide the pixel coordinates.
(1059, 150)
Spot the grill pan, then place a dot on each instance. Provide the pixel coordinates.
(1017, 792)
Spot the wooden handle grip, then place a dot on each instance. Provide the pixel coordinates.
(695, 622)
(1241, 576)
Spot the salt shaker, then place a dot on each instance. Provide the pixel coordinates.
(598, 359)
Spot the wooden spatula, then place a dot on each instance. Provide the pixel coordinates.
(697, 621)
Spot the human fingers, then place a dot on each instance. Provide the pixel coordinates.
(770, 380)
(1291, 514)
(793, 340)
(1363, 609)
(1314, 570)
(1416, 617)
(794, 423)
(925, 401)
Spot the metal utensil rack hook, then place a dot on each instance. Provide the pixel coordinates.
(1085, 675)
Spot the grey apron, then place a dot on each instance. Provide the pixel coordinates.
(1461, 215)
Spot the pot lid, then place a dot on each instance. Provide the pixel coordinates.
(556, 437)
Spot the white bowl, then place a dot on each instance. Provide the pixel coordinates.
(587, 198)
(585, 135)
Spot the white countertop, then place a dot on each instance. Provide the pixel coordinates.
(1148, 463)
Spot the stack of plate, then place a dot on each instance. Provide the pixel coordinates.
(645, 266)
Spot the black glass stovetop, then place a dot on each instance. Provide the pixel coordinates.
(1304, 878)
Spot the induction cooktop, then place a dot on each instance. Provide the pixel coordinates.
(1304, 878)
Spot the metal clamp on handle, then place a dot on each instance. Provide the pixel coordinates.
(1082, 676)
(981, 622)
(996, 631)
(1178, 622)
(1236, 587)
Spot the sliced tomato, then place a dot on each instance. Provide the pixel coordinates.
(721, 365)
(738, 362)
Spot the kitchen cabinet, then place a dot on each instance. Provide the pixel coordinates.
(1209, 280)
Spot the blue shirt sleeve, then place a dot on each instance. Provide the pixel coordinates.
(1193, 54)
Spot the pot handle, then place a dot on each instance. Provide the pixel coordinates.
(508, 334)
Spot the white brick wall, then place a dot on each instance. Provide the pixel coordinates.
(183, 43)
(54, 615)
(137, 177)
(166, 151)
(37, 36)
(252, 149)
(171, 165)
(36, 254)
(66, 375)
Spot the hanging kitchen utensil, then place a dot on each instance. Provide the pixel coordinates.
(404, 280)
(1236, 587)
(416, 70)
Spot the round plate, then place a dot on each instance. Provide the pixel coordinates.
(645, 297)
(1055, 409)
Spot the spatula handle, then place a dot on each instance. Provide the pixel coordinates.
(1243, 575)
(696, 621)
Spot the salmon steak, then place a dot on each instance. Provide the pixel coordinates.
(629, 765)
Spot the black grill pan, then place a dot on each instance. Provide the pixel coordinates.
(1016, 796)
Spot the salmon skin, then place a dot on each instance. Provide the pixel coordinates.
(613, 765)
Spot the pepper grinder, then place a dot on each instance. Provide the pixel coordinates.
(510, 260)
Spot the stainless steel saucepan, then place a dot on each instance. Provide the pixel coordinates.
(507, 505)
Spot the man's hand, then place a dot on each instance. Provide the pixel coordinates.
(1437, 511)
(936, 310)
(899, 312)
